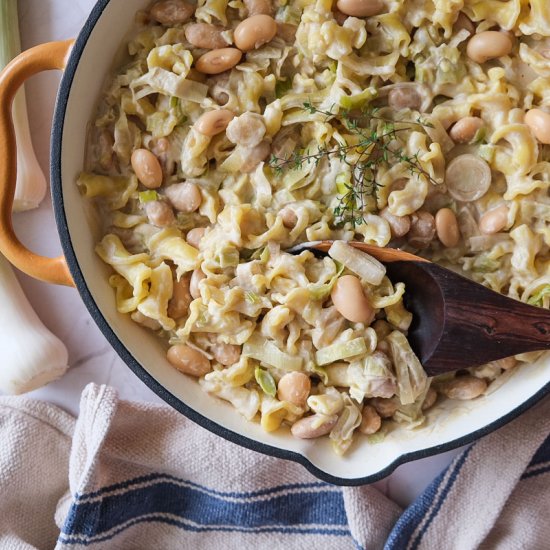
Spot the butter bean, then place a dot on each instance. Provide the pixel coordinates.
(494, 220)
(289, 217)
(255, 155)
(172, 12)
(204, 35)
(488, 45)
(194, 287)
(386, 408)
(246, 130)
(147, 168)
(195, 235)
(185, 197)
(446, 226)
(399, 225)
(349, 299)
(465, 129)
(307, 428)
(539, 122)
(226, 354)
(360, 8)
(188, 360)
(256, 7)
(214, 122)
(371, 421)
(505, 363)
(218, 61)
(404, 98)
(254, 32)
(294, 387)
(339, 17)
(422, 229)
(181, 298)
(463, 388)
(429, 400)
(159, 213)
(144, 321)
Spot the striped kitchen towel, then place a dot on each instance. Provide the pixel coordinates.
(141, 476)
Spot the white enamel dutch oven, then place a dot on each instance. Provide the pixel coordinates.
(86, 64)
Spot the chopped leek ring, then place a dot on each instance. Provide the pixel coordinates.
(265, 381)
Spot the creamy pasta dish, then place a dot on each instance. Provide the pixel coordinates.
(235, 129)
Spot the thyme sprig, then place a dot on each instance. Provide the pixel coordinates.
(377, 147)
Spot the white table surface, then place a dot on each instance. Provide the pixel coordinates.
(91, 357)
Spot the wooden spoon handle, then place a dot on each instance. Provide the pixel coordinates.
(483, 324)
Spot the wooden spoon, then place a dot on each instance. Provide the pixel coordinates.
(457, 323)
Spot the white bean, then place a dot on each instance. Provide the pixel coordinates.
(360, 8)
(465, 129)
(195, 235)
(254, 32)
(159, 213)
(386, 408)
(404, 98)
(188, 360)
(204, 35)
(494, 220)
(218, 61)
(488, 45)
(246, 130)
(294, 387)
(371, 421)
(349, 299)
(172, 12)
(399, 225)
(446, 226)
(254, 156)
(214, 122)
(289, 217)
(307, 428)
(422, 230)
(539, 122)
(256, 7)
(194, 287)
(185, 197)
(463, 388)
(181, 299)
(147, 168)
(226, 354)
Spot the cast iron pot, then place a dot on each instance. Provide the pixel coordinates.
(86, 63)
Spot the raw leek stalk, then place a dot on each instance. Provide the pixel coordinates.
(31, 183)
(31, 355)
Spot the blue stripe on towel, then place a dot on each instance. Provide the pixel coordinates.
(293, 530)
(543, 453)
(425, 508)
(315, 508)
(537, 471)
(166, 477)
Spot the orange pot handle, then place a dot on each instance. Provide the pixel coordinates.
(45, 57)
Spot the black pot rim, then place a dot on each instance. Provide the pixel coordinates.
(141, 372)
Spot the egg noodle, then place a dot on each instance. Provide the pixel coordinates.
(424, 125)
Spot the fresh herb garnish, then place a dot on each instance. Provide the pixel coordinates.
(377, 147)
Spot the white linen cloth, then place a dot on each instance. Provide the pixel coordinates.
(132, 475)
